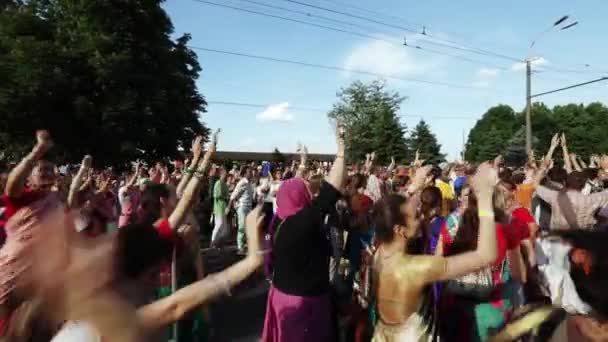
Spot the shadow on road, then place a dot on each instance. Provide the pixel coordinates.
(239, 318)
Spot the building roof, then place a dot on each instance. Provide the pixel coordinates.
(242, 156)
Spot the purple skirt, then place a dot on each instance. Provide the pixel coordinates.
(297, 319)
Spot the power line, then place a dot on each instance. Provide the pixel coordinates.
(423, 27)
(407, 29)
(335, 68)
(255, 105)
(359, 34)
(312, 15)
(570, 87)
(308, 14)
(572, 71)
(393, 17)
(294, 20)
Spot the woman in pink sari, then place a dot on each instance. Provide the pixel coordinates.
(299, 306)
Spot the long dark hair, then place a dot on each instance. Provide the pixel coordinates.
(430, 208)
(468, 230)
(387, 214)
(150, 202)
(591, 287)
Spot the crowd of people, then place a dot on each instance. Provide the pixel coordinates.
(351, 252)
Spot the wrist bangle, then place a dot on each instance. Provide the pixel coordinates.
(189, 171)
(263, 252)
(485, 213)
(199, 174)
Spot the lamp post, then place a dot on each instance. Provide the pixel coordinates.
(561, 24)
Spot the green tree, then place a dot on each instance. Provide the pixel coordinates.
(490, 135)
(103, 76)
(369, 114)
(424, 141)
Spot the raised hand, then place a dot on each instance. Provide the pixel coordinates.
(87, 162)
(555, 141)
(197, 147)
(563, 140)
(43, 143)
(214, 139)
(421, 176)
(498, 161)
(341, 136)
(485, 179)
(253, 229)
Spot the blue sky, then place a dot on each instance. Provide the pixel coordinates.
(297, 96)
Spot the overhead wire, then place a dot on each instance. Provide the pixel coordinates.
(256, 105)
(407, 29)
(350, 32)
(336, 68)
(457, 45)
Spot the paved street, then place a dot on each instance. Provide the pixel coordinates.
(238, 318)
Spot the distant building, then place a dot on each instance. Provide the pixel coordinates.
(267, 156)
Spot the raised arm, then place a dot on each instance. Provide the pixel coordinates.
(85, 166)
(173, 308)
(15, 183)
(197, 151)
(391, 166)
(575, 164)
(554, 144)
(567, 161)
(483, 184)
(131, 181)
(582, 162)
(301, 172)
(338, 169)
(185, 202)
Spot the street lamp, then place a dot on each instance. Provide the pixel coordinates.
(562, 24)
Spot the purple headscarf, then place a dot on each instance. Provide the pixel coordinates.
(293, 196)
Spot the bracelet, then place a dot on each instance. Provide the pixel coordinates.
(263, 252)
(339, 156)
(199, 174)
(189, 171)
(485, 213)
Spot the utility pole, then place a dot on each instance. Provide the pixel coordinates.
(528, 106)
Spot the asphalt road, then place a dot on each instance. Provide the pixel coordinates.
(240, 317)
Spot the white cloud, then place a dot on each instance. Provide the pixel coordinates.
(481, 84)
(484, 77)
(277, 112)
(487, 73)
(536, 62)
(384, 58)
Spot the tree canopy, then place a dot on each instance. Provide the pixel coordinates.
(424, 141)
(502, 131)
(369, 114)
(104, 77)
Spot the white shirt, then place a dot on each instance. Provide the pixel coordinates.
(77, 331)
(243, 194)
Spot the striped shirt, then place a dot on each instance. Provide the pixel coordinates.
(243, 194)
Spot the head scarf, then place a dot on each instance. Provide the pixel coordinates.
(293, 196)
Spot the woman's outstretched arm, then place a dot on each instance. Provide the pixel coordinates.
(173, 308)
